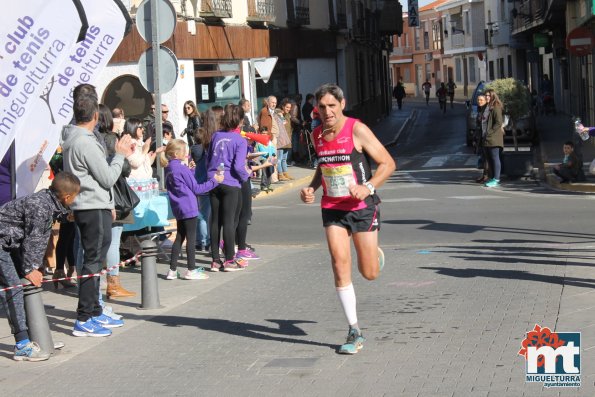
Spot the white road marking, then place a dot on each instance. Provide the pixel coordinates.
(471, 161)
(437, 161)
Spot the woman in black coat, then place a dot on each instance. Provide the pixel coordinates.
(193, 116)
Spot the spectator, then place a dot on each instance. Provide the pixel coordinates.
(568, 170)
(141, 161)
(193, 116)
(198, 152)
(183, 190)
(24, 234)
(114, 286)
(247, 125)
(283, 150)
(307, 111)
(94, 207)
(229, 149)
(148, 120)
(119, 120)
(494, 138)
(151, 129)
(481, 125)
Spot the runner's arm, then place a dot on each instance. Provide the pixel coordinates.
(316, 179)
(366, 141)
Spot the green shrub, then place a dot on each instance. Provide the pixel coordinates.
(514, 96)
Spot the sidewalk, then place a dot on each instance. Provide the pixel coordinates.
(554, 130)
(60, 304)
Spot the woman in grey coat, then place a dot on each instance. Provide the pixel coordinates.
(494, 138)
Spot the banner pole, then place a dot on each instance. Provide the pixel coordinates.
(13, 172)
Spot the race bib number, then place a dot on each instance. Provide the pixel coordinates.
(337, 180)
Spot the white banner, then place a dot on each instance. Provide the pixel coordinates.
(86, 60)
(34, 40)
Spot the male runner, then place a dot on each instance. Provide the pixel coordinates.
(349, 202)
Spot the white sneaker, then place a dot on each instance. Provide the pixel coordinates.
(196, 274)
(172, 274)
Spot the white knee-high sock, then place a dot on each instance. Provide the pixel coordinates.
(347, 298)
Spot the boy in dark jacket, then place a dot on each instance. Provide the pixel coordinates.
(568, 170)
(25, 228)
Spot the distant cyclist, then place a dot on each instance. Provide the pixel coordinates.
(427, 87)
(451, 87)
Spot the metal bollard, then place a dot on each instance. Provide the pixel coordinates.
(150, 290)
(37, 321)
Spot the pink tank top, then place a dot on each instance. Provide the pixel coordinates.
(341, 166)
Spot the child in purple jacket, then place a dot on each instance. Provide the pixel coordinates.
(182, 190)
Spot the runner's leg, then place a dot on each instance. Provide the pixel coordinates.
(366, 246)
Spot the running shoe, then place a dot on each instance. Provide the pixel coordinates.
(109, 311)
(196, 274)
(233, 265)
(380, 259)
(247, 254)
(30, 352)
(215, 266)
(492, 183)
(171, 274)
(107, 321)
(90, 328)
(354, 343)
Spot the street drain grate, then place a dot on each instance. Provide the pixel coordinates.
(292, 362)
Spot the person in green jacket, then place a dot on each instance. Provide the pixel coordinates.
(494, 138)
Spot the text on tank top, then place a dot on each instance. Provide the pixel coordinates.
(341, 166)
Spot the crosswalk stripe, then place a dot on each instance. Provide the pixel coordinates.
(471, 161)
(437, 161)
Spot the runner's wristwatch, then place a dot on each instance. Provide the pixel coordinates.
(371, 187)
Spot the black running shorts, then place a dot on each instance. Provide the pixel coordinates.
(364, 220)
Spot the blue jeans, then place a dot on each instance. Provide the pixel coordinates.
(282, 160)
(113, 253)
(494, 161)
(203, 237)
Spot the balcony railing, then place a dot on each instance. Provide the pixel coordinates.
(528, 13)
(458, 40)
(216, 9)
(298, 12)
(261, 11)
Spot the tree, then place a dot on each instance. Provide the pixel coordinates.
(514, 96)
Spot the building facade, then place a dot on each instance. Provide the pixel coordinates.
(315, 42)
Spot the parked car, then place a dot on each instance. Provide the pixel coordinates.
(524, 126)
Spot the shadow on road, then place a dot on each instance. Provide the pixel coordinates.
(512, 275)
(469, 229)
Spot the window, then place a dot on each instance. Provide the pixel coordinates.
(426, 40)
(416, 32)
(407, 76)
(472, 69)
(458, 71)
(501, 67)
(428, 71)
(467, 23)
(216, 84)
(491, 70)
(510, 66)
(437, 36)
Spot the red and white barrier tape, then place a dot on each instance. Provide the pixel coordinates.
(102, 272)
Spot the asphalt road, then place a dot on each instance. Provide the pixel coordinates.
(469, 270)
